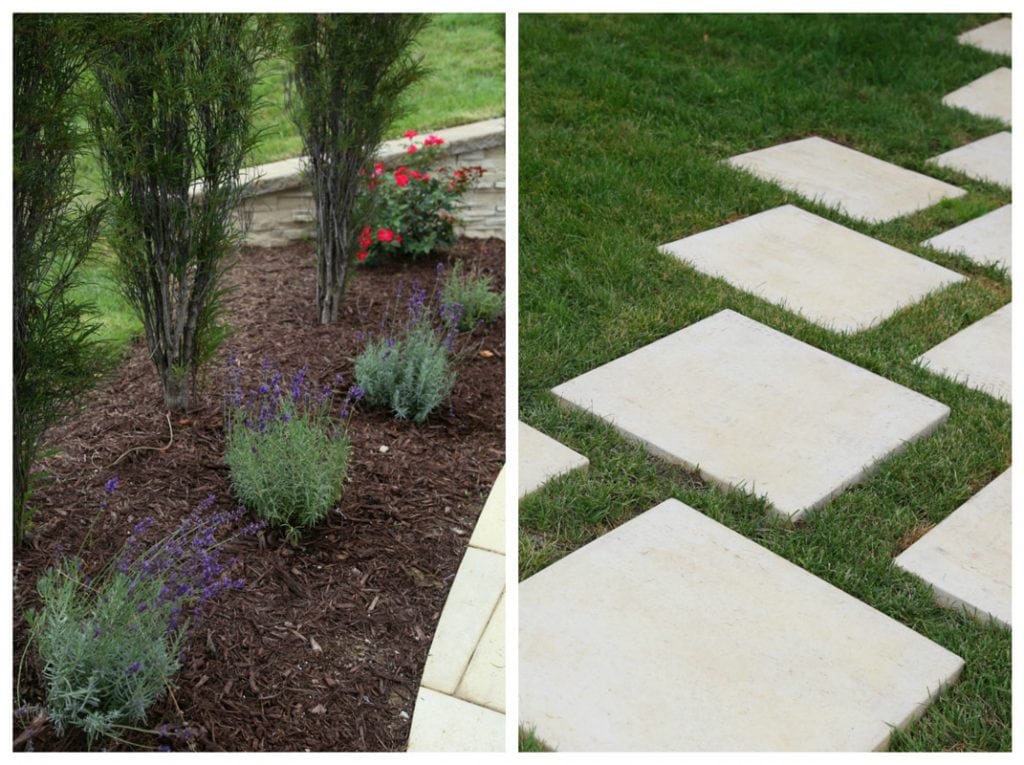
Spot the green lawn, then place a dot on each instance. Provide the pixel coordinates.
(624, 124)
(465, 56)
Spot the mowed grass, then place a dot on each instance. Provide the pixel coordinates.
(624, 123)
(464, 54)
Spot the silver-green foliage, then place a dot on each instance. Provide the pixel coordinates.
(104, 662)
(288, 459)
(479, 302)
(411, 375)
(109, 644)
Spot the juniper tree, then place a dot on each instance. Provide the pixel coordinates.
(349, 71)
(173, 124)
(54, 349)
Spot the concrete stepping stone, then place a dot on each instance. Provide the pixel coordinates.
(834, 276)
(542, 458)
(751, 407)
(978, 356)
(987, 96)
(966, 558)
(675, 633)
(994, 37)
(988, 159)
(858, 184)
(985, 240)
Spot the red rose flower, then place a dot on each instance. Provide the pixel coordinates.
(411, 149)
(415, 174)
(411, 134)
(361, 255)
(433, 140)
(401, 178)
(366, 238)
(385, 235)
(378, 169)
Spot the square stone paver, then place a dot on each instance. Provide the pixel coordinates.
(443, 723)
(985, 240)
(832, 275)
(987, 159)
(675, 633)
(978, 356)
(753, 408)
(993, 37)
(966, 558)
(987, 96)
(542, 458)
(479, 585)
(860, 185)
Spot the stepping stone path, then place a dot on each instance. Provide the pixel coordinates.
(673, 632)
(750, 407)
(978, 356)
(987, 159)
(542, 458)
(987, 96)
(461, 702)
(993, 37)
(859, 185)
(836, 277)
(966, 558)
(985, 240)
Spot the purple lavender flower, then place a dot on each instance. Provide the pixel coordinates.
(134, 667)
(297, 385)
(111, 485)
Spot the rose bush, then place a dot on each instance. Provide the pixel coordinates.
(414, 213)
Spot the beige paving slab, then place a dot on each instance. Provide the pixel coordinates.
(478, 585)
(673, 632)
(442, 723)
(978, 356)
(753, 408)
(489, 533)
(858, 184)
(836, 277)
(542, 458)
(987, 159)
(987, 96)
(484, 679)
(994, 37)
(985, 240)
(966, 558)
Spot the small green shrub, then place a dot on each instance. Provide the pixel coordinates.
(287, 457)
(479, 303)
(411, 370)
(110, 644)
(414, 211)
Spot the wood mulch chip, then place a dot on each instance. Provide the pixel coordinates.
(323, 649)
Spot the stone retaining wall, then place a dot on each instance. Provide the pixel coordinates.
(281, 204)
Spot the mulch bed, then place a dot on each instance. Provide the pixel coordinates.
(324, 647)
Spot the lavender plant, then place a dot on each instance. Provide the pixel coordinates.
(408, 368)
(287, 456)
(110, 643)
(473, 292)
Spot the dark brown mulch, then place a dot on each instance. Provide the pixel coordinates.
(324, 647)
